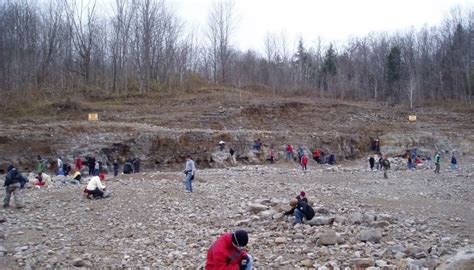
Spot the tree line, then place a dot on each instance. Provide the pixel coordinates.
(59, 47)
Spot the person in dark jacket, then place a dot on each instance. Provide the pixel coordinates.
(127, 167)
(228, 252)
(13, 182)
(116, 167)
(91, 165)
(332, 159)
(371, 162)
(301, 210)
(136, 165)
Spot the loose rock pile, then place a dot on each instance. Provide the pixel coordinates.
(414, 220)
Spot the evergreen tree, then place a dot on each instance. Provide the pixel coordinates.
(394, 71)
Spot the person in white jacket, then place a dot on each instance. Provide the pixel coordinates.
(95, 187)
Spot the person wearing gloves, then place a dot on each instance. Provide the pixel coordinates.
(228, 252)
(95, 187)
(300, 209)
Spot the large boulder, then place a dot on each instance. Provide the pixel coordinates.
(374, 236)
(327, 237)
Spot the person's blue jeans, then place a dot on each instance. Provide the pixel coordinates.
(249, 265)
(96, 172)
(454, 166)
(60, 172)
(288, 155)
(298, 216)
(188, 182)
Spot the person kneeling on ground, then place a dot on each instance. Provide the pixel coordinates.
(300, 209)
(95, 187)
(228, 252)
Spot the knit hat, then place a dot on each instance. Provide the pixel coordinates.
(240, 238)
(101, 176)
(302, 194)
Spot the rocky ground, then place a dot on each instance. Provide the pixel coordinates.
(413, 220)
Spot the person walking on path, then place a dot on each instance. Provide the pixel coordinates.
(12, 184)
(189, 171)
(437, 159)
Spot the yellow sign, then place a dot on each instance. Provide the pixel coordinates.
(412, 118)
(93, 117)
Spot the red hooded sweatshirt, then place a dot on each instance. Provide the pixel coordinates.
(223, 255)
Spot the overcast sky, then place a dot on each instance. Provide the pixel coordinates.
(332, 20)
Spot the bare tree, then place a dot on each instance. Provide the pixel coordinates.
(221, 25)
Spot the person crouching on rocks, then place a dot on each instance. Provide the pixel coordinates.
(95, 187)
(228, 252)
(300, 209)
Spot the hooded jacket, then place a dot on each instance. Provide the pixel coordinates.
(223, 255)
(12, 177)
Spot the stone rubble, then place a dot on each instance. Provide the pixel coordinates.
(362, 220)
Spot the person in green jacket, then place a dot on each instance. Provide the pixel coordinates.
(41, 165)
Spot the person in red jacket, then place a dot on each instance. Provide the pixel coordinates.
(304, 162)
(289, 152)
(78, 163)
(228, 252)
(317, 156)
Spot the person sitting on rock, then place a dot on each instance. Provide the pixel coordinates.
(302, 197)
(43, 180)
(300, 209)
(95, 188)
(228, 252)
